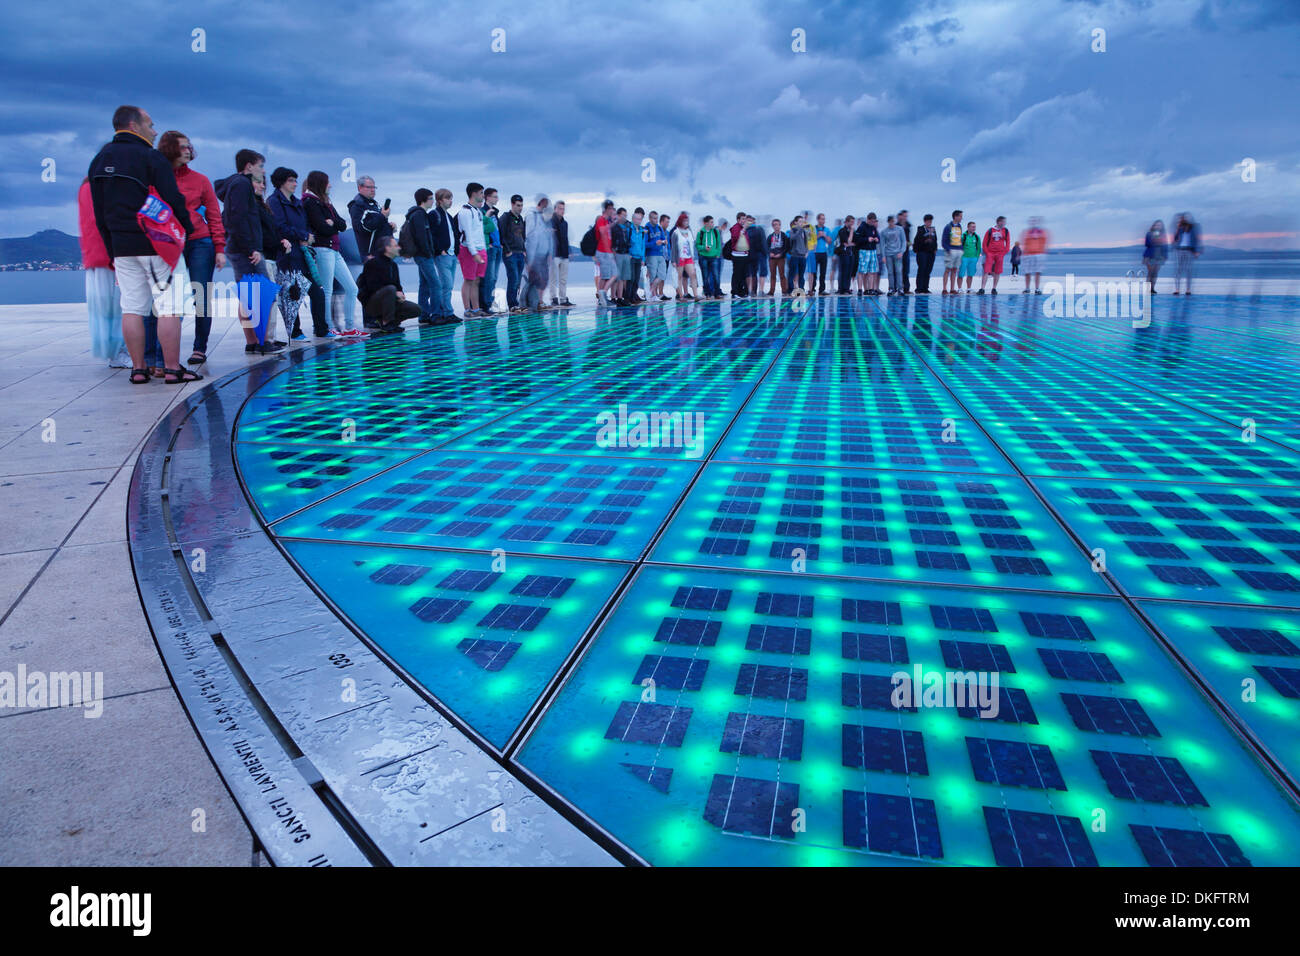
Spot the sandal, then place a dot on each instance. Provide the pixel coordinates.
(179, 376)
(140, 376)
(196, 358)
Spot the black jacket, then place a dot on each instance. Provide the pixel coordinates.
(561, 237)
(369, 223)
(378, 272)
(620, 237)
(120, 176)
(866, 237)
(241, 214)
(844, 240)
(442, 227)
(778, 244)
(421, 235)
(757, 240)
(317, 212)
(291, 224)
(925, 242)
(513, 230)
(272, 248)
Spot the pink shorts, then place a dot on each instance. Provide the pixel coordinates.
(471, 267)
(685, 262)
(993, 264)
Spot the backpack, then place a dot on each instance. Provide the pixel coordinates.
(588, 245)
(406, 241)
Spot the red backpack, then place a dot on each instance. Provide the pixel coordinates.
(158, 222)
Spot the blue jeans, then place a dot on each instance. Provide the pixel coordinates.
(333, 268)
(201, 260)
(514, 269)
(795, 266)
(429, 290)
(446, 268)
(711, 269)
(488, 284)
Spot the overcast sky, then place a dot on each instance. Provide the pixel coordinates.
(1012, 93)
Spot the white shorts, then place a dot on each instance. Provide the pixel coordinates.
(150, 286)
(1031, 264)
(952, 258)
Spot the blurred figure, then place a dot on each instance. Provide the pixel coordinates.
(1033, 242)
(1015, 259)
(103, 304)
(1155, 253)
(1187, 249)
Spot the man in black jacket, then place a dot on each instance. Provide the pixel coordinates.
(924, 245)
(120, 177)
(370, 221)
(513, 249)
(421, 240)
(379, 289)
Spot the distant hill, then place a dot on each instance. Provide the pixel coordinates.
(47, 245)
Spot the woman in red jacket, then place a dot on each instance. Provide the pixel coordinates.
(103, 304)
(206, 245)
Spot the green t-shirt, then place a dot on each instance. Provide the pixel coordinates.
(970, 245)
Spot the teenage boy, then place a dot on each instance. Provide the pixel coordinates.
(620, 240)
(756, 240)
(446, 244)
(421, 249)
(997, 240)
(739, 258)
(824, 244)
(846, 256)
(708, 250)
(241, 214)
(951, 244)
(492, 245)
(513, 249)
(970, 255)
(906, 225)
(473, 250)
(925, 245)
(605, 254)
(560, 264)
(656, 253)
(867, 239)
(892, 243)
(636, 249)
(778, 247)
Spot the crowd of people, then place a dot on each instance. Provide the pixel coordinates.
(139, 283)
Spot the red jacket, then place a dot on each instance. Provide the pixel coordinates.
(197, 190)
(93, 253)
(997, 241)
